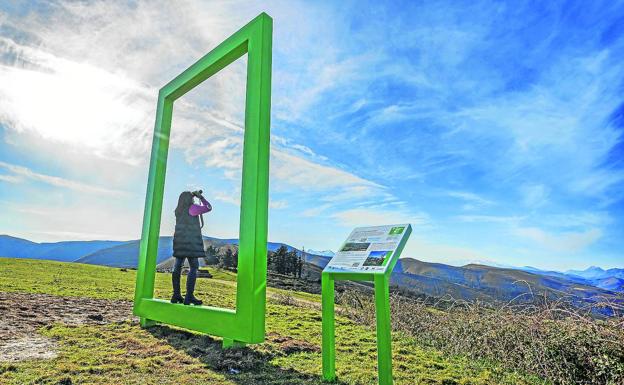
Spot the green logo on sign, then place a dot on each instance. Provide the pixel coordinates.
(396, 230)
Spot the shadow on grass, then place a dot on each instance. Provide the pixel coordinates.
(241, 365)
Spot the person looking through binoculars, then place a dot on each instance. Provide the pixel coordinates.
(188, 243)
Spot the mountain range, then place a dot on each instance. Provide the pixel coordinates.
(469, 282)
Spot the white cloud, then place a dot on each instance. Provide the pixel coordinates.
(473, 200)
(316, 210)
(372, 217)
(560, 242)
(10, 178)
(278, 204)
(233, 198)
(490, 218)
(534, 195)
(76, 104)
(553, 137)
(24, 172)
(579, 220)
(424, 250)
(311, 176)
(84, 218)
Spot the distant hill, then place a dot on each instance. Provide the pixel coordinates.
(68, 251)
(479, 282)
(469, 282)
(595, 272)
(109, 253)
(324, 253)
(126, 254)
(610, 279)
(611, 283)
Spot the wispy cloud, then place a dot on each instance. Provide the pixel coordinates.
(316, 210)
(570, 242)
(77, 104)
(84, 218)
(278, 204)
(490, 218)
(363, 217)
(472, 201)
(20, 172)
(10, 178)
(534, 195)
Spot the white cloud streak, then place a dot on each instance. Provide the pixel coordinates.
(20, 173)
(565, 242)
(371, 217)
(10, 178)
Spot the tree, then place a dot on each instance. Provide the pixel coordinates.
(285, 262)
(212, 255)
(280, 257)
(227, 260)
(300, 264)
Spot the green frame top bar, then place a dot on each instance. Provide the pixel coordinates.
(246, 324)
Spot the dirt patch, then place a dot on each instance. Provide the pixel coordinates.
(290, 345)
(22, 314)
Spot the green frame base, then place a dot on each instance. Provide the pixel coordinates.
(246, 324)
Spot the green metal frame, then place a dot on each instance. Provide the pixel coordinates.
(246, 323)
(382, 309)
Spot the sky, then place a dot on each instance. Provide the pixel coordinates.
(494, 128)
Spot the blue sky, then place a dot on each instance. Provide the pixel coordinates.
(494, 128)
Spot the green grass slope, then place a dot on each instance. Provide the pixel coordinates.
(123, 353)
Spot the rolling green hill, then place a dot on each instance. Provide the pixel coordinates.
(493, 284)
(119, 351)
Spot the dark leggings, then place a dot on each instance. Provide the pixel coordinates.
(192, 275)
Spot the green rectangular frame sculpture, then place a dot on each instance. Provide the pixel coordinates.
(245, 324)
(382, 310)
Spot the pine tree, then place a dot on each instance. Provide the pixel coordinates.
(300, 264)
(228, 259)
(212, 257)
(280, 259)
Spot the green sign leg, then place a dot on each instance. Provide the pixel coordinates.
(384, 336)
(329, 346)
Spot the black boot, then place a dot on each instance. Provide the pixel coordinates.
(175, 282)
(190, 299)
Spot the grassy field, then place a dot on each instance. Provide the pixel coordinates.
(123, 353)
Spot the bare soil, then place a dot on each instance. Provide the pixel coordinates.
(21, 315)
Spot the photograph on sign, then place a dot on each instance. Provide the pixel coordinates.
(368, 249)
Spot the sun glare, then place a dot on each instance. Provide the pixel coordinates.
(76, 104)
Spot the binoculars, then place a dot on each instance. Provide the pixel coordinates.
(197, 193)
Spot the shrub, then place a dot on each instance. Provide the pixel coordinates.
(553, 340)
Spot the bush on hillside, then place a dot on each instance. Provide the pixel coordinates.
(555, 341)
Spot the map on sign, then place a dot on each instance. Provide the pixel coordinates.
(369, 249)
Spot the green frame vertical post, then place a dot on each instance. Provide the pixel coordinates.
(246, 324)
(329, 333)
(382, 311)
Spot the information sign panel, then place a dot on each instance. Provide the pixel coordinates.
(368, 249)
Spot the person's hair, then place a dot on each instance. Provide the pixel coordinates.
(184, 202)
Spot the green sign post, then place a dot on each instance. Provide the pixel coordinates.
(368, 254)
(246, 323)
